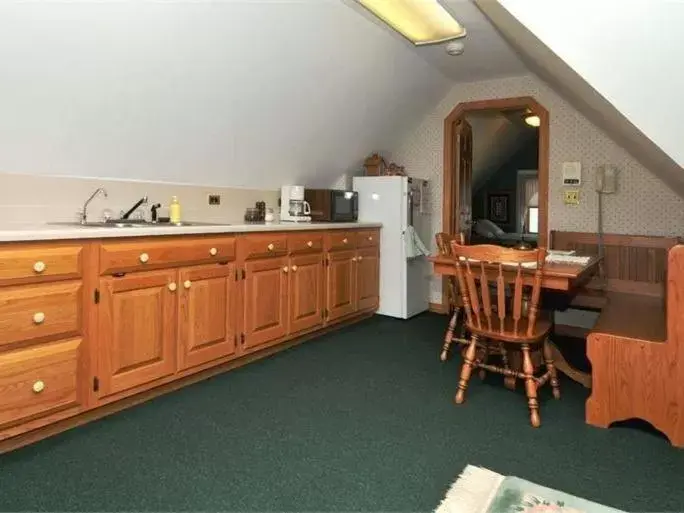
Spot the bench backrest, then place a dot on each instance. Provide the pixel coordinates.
(635, 264)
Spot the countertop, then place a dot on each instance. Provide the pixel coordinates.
(35, 232)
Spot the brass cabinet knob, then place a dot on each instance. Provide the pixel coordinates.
(353, 259)
(360, 258)
(173, 287)
(294, 268)
(271, 247)
(344, 241)
(38, 386)
(39, 266)
(370, 237)
(187, 284)
(38, 318)
(285, 269)
(144, 258)
(310, 243)
(213, 251)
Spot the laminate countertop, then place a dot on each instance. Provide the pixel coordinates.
(66, 231)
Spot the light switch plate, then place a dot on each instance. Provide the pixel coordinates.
(571, 196)
(214, 199)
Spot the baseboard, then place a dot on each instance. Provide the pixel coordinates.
(439, 308)
(15, 442)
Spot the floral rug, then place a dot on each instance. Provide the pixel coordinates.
(479, 490)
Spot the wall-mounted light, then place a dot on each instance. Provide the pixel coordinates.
(422, 22)
(532, 120)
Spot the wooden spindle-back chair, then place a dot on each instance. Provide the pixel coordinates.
(515, 320)
(453, 297)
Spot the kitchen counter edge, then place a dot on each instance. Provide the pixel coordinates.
(51, 232)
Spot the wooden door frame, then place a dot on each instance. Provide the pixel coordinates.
(450, 203)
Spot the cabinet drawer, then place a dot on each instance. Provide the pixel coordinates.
(264, 245)
(367, 238)
(305, 243)
(39, 262)
(339, 239)
(38, 381)
(153, 254)
(37, 311)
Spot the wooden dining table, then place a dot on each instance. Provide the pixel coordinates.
(560, 277)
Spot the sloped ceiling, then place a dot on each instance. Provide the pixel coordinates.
(240, 93)
(497, 137)
(587, 99)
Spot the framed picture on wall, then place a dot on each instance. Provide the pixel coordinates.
(499, 207)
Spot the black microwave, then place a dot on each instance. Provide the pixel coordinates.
(333, 206)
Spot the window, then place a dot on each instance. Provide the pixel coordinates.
(533, 220)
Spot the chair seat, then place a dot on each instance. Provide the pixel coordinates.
(507, 334)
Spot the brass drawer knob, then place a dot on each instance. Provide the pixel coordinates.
(344, 241)
(144, 258)
(173, 287)
(38, 318)
(370, 237)
(213, 251)
(39, 266)
(270, 247)
(187, 284)
(360, 258)
(38, 386)
(285, 269)
(310, 243)
(294, 268)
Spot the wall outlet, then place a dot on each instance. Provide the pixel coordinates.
(214, 199)
(571, 197)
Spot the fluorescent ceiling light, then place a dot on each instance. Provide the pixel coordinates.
(422, 22)
(532, 120)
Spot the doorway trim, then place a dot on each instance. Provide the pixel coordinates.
(450, 204)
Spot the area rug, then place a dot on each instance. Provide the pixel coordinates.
(479, 490)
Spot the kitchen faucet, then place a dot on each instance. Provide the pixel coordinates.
(84, 212)
(141, 201)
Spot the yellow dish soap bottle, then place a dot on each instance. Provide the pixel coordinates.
(174, 210)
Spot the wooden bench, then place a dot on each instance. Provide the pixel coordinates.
(633, 265)
(636, 350)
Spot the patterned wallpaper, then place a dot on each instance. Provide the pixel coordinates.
(643, 205)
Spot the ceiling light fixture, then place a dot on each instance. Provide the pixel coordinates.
(423, 22)
(532, 120)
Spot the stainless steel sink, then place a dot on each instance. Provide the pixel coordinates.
(134, 223)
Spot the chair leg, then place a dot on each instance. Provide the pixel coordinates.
(551, 369)
(530, 386)
(485, 357)
(448, 338)
(466, 370)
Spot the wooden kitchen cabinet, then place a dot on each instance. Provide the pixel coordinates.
(265, 301)
(307, 282)
(367, 279)
(341, 284)
(137, 330)
(207, 316)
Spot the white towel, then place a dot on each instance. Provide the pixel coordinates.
(414, 246)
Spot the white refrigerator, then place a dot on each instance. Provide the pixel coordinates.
(399, 202)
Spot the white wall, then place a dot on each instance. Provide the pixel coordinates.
(631, 52)
(246, 93)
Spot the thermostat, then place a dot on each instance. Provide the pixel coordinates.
(572, 173)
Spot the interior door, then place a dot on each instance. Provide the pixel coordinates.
(463, 184)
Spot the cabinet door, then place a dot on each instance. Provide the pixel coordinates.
(137, 328)
(341, 284)
(265, 301)
(306, 292)
(367, 279)
(206, 324)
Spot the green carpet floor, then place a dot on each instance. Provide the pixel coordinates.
(357, 420)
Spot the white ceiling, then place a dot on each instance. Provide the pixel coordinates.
(487, 55)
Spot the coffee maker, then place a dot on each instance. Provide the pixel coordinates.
(292, 204)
